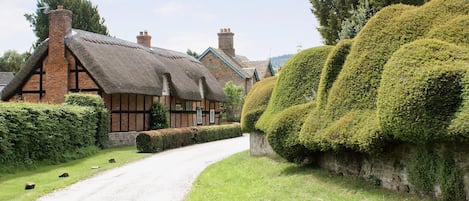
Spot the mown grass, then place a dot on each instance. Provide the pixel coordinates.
(47, 180)
(242, 177)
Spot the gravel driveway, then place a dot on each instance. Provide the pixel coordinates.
(166, 176)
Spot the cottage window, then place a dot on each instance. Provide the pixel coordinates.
(178, 107)
(165, 86)
(212, 116)
(199, 116)
(188, 105)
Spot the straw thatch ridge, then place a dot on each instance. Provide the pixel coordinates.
(119, 66)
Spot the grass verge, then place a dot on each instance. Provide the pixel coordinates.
(47, 180)
(242, 177)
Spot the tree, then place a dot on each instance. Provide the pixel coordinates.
(85, 17)
(352, 25)
(334, 14)
(192, 53)
(12, 61)
(159, 117)
(234, 103)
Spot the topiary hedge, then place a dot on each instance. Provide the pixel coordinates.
(256, 102)
(163, 139)
(283, 132)
(30, 133)
(297, 84)
(103, 115)
(421, 90)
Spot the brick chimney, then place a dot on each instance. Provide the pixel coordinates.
(144, 39)
(225, 41)
(56, 67)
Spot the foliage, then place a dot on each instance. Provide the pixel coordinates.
(283, 132)
(30, 133)
(163, 139)
(12, 61)
(359, 16)
(454, 31)
(103, 115)
(427, 168)
(212, 133)
(333, 15)
(85, 17)
(192, 53)
(234, 101)
(159, 116)
(256, 102)
(297, 84)
(420, 90)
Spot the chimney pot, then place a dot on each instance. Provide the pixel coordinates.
(144, 39)
(141, 33)
(60, 7)
(225, 41)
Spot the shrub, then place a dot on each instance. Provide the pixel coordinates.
(103, 115)
(234, 103)
(163, 139)
(455, 31)
(159, 116)
(297, 84)
(283, 132)
(212, 133)
(30, 133)
(255, 103)
(421, 90)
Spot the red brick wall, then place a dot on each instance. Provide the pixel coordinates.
(221, 71)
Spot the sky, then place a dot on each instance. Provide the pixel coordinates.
(262, 28)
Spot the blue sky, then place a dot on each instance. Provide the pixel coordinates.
(263, 28)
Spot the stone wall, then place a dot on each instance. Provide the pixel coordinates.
(119, 139)
(259, 146)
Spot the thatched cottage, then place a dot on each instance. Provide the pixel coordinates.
(129, 76)
(226, 65)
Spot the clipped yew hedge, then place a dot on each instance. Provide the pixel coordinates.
(103, 115)
(30, 133)
(421, 90)
(297, 83)
(256, 102)
(169, 138)
(283, 132)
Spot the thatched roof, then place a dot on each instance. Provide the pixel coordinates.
(119, 66)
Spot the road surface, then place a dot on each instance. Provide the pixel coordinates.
(166, 176)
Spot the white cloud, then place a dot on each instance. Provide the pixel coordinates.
(179, 9)
(195, 41)
(16, 32)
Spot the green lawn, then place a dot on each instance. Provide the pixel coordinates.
(242, 177)
(47, 180)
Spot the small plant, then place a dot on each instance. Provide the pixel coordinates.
(159, 116)
(234, 103)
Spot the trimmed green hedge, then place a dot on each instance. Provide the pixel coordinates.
(421, 90)
(256, 102)
(297, 83)
(103, 115)
(455, 31)
(163, 139)
(30, 133)
(283, 132)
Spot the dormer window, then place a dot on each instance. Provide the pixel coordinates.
(165, 86)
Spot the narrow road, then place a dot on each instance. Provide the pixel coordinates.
(166, 176)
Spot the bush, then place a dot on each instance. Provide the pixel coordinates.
(454, 31)
(256, 102)
(284, 130)
(30, 133)
(213, 133)
(421, 90)
(159, 116)
(297, 84)
(234, 102)
(163, 139)
(103, 115)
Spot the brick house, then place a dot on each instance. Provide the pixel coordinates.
(226, 65)
(130, 77)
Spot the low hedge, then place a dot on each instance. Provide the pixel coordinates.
(103, 115)
(163, 139)
(256, 102)
(30, 133)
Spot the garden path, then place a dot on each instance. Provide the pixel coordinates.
(165, 176)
